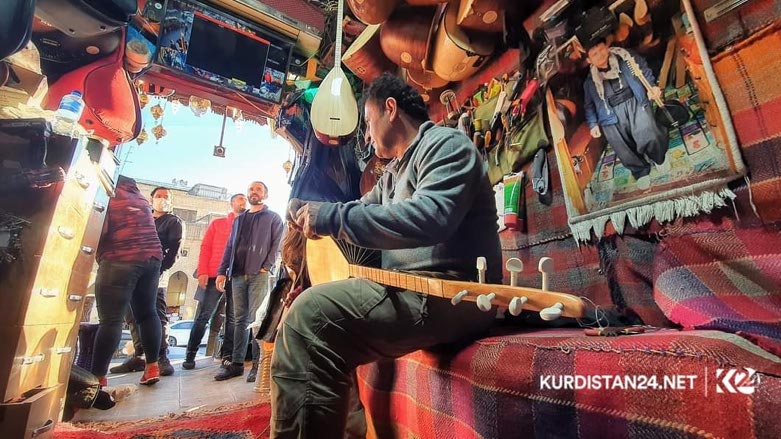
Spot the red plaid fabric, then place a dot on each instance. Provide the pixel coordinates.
(492, 389)
(723, 279)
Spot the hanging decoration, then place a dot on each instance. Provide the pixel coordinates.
(238, 118)
(287, 166)
(157, 111)
(159, 132)
(175, 106)
(199, 106)
(142, 136)
(143, 99)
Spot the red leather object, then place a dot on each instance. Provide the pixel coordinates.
(111, 107)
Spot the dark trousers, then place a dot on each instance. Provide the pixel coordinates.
(118, 285)
(636, 135)
(162, 313)
(209, 305)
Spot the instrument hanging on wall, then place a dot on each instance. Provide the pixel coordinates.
(669, 113)
(330, 260)
(365, 57)
(372, 173)
(406, 36)
(372, 11)
(334, 109)
(427, 83)
(458, 54)
(482, 15)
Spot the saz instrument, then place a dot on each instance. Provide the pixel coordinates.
(327, 261)
(482, 15)
(405, 37)
(365, 58)
(372, 11)
(457, 53)
(673, 113)
(334, 110)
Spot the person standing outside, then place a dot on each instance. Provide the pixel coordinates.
(249, 256)
(129, 256)
(170, 230)
(208, 297)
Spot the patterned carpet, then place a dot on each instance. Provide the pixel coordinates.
(242, 421)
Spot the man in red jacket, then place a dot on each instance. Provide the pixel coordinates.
(207, 295)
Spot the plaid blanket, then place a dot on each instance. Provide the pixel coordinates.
(493, 389)
(723, 279)
(748, 75)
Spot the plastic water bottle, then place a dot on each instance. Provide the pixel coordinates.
(68, 114)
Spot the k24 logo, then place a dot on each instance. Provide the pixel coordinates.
(741, 380)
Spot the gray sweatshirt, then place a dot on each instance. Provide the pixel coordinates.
(432, 210)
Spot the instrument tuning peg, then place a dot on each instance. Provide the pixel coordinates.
(455, 300)
(484, 301)
(516, 305)
(514, 266)
(481, 267)
(546, 268)
(553, 312)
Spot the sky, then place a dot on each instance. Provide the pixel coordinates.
(186, 153)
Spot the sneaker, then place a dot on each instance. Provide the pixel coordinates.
(165, 366)
(233, 370)
(225, 362)
(132, 364)
(253, 373)
(151, 374)
(189, 362)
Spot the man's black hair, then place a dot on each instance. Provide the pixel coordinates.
(233, 197)
(265, 188)
(159, 188)
(590, 44)
(407, 98)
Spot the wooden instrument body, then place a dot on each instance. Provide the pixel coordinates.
(365, 57)
(427, 83)
(372, 173)
(334, 112)
(326, 263)
(458, 54)
(372, 11)
(482, 15)
(425, 2)
(405, 38)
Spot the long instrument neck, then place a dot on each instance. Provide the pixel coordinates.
(641, 77)
(398, 279)
(338, 45)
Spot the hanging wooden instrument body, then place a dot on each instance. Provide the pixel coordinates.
(406, 36)
(482, 15)
(427, 83)
(334, 110)
(365, 57)
(458, 54)
(372, 11)
(326, 262)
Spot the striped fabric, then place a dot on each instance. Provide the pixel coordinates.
(749, 76)
(492, 389)
(723, 279)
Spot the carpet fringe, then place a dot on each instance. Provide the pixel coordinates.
(662, 211)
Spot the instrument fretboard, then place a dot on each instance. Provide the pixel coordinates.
(425, 285)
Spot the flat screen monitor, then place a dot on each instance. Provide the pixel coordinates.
(219, 48)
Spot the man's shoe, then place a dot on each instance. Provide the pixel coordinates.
(253, 373)
(165, 367)
(132, 364)
(151, 374)
(189, 362)
(225, 362)
(233, 370)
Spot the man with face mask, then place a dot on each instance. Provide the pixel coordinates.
(249, 255)
(170, 230)
(208, 297)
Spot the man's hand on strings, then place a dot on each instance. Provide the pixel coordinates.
(303, 216)
(655, 93)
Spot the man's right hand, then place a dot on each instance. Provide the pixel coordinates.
(203, 280)
(221, 283)
(595, 132)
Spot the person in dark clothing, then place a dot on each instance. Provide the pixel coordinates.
(618, 106)
(129, 256)
(170, 230)
(249, 256)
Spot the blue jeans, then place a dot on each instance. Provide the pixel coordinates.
(248, 293)
(211, 301)
(118, 285)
